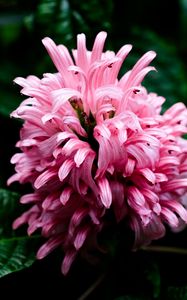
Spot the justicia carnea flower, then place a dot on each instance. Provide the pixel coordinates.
(93, 143)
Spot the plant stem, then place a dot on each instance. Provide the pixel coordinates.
(92, 287)
(165, 249)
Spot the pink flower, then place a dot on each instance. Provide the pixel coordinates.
(93, 143)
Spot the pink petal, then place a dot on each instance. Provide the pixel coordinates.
(81, 155)
(157, 208)
(65, 195)
(105, 192)
(43, 178)
(26, 143)
(175, 109)
(72, 145)
(129, 167)
(178, 208)
(122, 53)
(152, 196)
(62, 96)
(21, 220)
(140, 76)
(49, 246)
(174, 184)
(49, 200)
(148, 174)
(81, 237)
(140, 65)
(81, 60)
(134, 195)
(15, 177)
(62, 136)
(76, 219)
(65, 169)
(16, 157)
(56, 55)
(68, 260)
(169, 217)
(160, 177)
(24, 218)
(98, 46)
(30, 198)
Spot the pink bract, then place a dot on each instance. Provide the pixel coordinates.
(93, 143)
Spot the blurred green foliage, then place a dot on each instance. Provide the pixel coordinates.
(17, 251)
(147, 25)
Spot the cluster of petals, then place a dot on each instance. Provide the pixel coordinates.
(92, 143)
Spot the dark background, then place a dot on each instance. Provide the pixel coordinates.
(148, 25)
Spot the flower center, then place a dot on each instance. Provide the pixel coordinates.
(87, 122)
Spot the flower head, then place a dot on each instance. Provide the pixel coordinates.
(91, 143)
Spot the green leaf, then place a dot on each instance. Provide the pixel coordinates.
(9, 94)
(58, 14)
(94, 15)
(8, 208)
(16, 253)
(153, 276)
(183, 25)
(9, 101)
(64, 19)
(177, 293)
